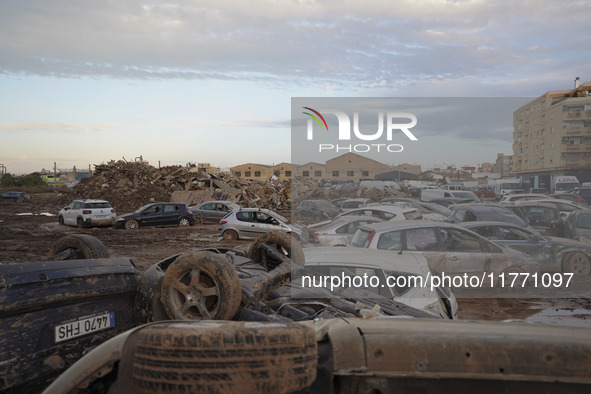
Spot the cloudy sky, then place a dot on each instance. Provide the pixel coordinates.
(85, 82)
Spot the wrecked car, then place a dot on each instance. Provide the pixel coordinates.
(545, 219)
(448, 248)
(249, 223)
(212, 211)
(337, 231)
(554, 254)
(578, 226)
(314, 210)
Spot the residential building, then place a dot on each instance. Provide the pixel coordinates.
(552, 136)
(504, 165)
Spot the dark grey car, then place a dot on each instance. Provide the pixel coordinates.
(212, 211)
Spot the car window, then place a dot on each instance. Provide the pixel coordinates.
(391, 240)
(99, 205)
(209, 206)
(540, 213)
(221, 207)
(454, 240)
(470, 217)
(349, 228)
(486, 231)
(171, 208)
(261, 217)
(460, 215)
(77, 205)
(244, 216)
(361, 238)
(515, 234)
(421, 239)
(584, 221)
(566, 207)
(153, 209)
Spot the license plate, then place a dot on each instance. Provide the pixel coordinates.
(84, 325)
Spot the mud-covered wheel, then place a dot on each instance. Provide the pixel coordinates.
(282, 242)
(199, 219)
(219, 357)
(60, 219)
(80, 223)
(77, 246)
(201, 286)
(230, 235)
(579, 264)
(184, 222)
(132, 225)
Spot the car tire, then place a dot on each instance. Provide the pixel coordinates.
(578, 263)
(80, 223)
(230, 235)
(282, 242)
(60, 219)
(201, 286)
(132, 225)
(77, 246)
(219, 357)
(183, 222)
(199, 219)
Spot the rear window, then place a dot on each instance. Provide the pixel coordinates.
(584, 221)
(97, 205)
(361, 238)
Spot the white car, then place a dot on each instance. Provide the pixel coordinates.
(387, 275)
(87, 213)
(385, 212)
(338, 231)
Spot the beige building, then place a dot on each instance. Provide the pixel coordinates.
(353, 167)
(552, 136)
(504, 165)
(283, 170)
(311, 170)
(252, 171)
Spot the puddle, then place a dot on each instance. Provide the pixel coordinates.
(33, 214)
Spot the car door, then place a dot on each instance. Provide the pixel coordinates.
(265, 223)
(151, 216)
(245, 224)
(463, 252)
(530, 244)
(170, 214)
(207, 211)
(70, 213)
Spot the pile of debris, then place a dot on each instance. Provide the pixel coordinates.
(129, 185)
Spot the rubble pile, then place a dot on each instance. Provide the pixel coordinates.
(129, 185)
(309, 190)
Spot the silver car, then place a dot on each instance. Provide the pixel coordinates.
(448, 248)
(212, 211)
(338, 232)
(250, 223)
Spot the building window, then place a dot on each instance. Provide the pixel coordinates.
(574, 141)
(551, 144)
(350, 173)
(287, 173)
(572, 157)
(552, 130)
(247, 173)
(238, 174)
(364, 173)
(335, 173)
(257, 174)
(306, 173)
(317, 173)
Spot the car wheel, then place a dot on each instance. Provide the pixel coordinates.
(201, 286)
(132, 225)
(282, 242)
(77, 246)
(230, 235)
(579, 264)
(199, 219)
(80, 223)
(220, 357)
(60, 219)
(184, 222)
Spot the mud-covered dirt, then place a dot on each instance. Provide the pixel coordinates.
(29, 228)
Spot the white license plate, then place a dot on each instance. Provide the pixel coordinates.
(83, 326)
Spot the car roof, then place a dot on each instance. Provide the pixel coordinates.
(88, 200)
(485, 223)
(405, 224)
(391, 208)
(362, 257)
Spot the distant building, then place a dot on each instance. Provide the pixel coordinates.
(504, 165)
(311, 170)
(352, 167)
(253, 171)
(552, 136)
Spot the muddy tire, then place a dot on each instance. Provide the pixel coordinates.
(80, 223)
(230, 235)
(60, 219)
(77, 246)
(578, 263)
(183, 222)
(199, 219)
(132, 225)
(219, 357)
(201, 286)
(280, 241)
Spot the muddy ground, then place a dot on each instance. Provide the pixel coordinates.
(29, 228)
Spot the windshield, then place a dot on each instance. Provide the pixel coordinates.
(502, 216)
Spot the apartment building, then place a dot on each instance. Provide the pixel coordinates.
(552, 136)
